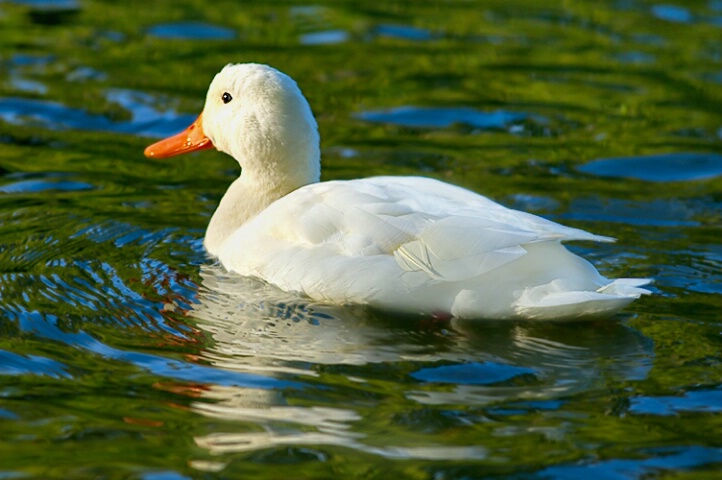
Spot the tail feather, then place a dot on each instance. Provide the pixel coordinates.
(569, 305)
(627, 287)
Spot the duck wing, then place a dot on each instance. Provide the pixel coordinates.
(417, 225)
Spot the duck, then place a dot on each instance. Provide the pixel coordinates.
(406, 244)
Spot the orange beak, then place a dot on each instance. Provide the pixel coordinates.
(189, 140)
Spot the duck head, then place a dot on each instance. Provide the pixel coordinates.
(259, 116)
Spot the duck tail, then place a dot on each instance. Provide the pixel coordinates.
(626, 287)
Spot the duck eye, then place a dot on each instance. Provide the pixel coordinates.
(226, 97)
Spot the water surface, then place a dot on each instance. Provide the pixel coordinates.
(127, 353)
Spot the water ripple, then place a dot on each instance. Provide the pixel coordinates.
(257, 328)
(45, 326)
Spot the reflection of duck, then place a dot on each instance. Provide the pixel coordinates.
(401, 243)
(260, 329)
(256, 329)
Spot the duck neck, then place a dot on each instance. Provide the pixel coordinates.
(248, 196)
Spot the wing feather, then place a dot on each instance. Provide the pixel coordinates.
(407, 227)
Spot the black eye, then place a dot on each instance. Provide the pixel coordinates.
(226, 97)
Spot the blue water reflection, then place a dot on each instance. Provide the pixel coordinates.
(52, 182)
(404, 32)
(29, 86)
(326, 37)
(45, 326)
(670, 167)
(692, 401)
(146, 120)
(472, 373)
(14, 364)
(191, 31)
(672, 13)
(50, 4)
(658, 213)
(659, 461)
(444, 117)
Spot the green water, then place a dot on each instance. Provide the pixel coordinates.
(126, 353)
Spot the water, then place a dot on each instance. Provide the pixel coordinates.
(126, 353)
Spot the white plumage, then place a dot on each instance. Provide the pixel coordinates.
(408, 244)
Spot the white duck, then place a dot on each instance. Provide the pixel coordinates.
(408, 244)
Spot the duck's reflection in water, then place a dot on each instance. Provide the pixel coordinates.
(258, 329)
